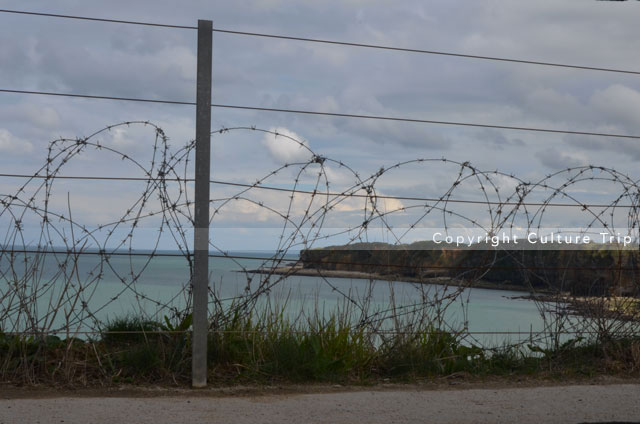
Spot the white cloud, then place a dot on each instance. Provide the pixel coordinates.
(387, 205)
(13, 145)
(160, 64)
(285, 146)
(119, 137)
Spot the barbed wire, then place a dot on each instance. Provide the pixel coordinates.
(291, 331)
(56, 268)
(310, 261)
(333, 194)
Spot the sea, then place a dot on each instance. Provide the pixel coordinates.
(75, 294)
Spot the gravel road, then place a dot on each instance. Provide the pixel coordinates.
(556, 404)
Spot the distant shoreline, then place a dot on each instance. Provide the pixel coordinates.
(580, 306)
(439, 280)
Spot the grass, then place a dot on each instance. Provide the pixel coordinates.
(263, 350)
(272, 348)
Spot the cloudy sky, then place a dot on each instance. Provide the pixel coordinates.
(106, 59)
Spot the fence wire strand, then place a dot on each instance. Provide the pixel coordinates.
(62, 272)
(330, 42)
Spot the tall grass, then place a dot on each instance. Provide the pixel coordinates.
(272, 346)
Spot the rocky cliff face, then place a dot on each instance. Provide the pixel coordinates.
(589, 271)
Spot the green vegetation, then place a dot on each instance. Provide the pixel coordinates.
(270, 348)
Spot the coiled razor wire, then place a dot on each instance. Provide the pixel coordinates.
(46, 288)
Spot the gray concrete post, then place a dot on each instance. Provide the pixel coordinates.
(200, 282)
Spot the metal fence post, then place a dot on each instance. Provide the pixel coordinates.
(200, 282)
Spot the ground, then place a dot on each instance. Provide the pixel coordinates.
(438, 402)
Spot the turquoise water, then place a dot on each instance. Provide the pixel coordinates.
(100, 291)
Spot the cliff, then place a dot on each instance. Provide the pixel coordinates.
(589, 271)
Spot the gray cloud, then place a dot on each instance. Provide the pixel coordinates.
(558, 160)
(497, 139)
(614, 147)
(108, 59)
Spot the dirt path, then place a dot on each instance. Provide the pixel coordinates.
(556, 404)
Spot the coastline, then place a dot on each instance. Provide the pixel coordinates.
(580, 306)
(298, 270)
